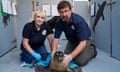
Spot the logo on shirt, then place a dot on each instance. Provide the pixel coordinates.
(73, 27)
(44, 32)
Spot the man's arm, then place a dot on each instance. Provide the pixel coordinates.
(79, 48)
(74, 53)
(55, 45)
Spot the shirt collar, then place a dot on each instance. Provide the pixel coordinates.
(71, 18)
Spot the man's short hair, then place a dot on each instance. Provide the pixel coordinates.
(63, 4)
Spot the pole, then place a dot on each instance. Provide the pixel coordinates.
(110, 27)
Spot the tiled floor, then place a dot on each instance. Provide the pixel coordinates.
(102, 63)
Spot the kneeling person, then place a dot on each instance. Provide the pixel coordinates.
(33, 38)
(77, 33)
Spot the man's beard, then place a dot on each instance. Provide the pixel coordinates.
(64, 19)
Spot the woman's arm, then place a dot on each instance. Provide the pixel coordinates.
(50, 39)
(26, 45)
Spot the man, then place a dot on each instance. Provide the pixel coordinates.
(76, 31)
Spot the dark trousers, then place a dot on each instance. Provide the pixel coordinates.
(27, 57)
(84, 56)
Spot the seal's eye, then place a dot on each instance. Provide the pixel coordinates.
(61, 54)
(57, 54)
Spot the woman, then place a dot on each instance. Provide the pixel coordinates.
(34, 35)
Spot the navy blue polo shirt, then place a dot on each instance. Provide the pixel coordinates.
(36, 38)
(77, 30)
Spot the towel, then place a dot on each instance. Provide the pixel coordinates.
(46, 62)
(24, 64)
(1, 9)
(43, 63)
(73, 65)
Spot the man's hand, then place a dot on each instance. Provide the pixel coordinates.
(36, 55)
(66, 60)
(52, 56)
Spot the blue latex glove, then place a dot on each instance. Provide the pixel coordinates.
(36, 55)
(46, 62)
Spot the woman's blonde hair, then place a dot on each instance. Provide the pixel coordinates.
(41, 12)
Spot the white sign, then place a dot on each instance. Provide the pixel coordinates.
(46, 8)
